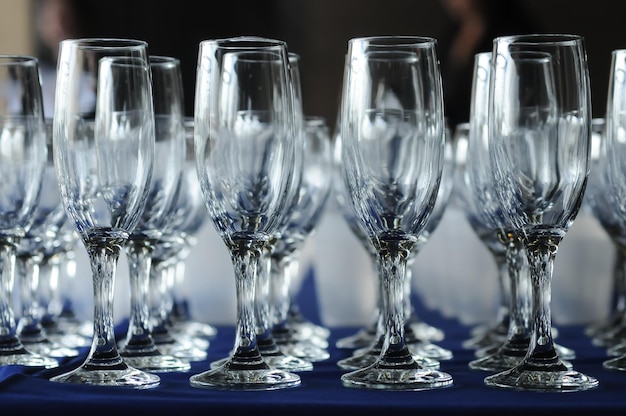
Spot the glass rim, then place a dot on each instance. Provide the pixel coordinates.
(391, 41)
(245, 43)
(540, 39)
(105, 43)
(163, 60)
(15, 59)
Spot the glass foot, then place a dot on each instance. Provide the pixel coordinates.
(194, 329)
(615, 364)
(357, 362)
(427, 332)
(554, 378)
(120, 375)
(389, 377)
(361, 339)
(563, 352)
(155, 362)
(305, 351)
(18, 355)
(50, 349)
(235, 376)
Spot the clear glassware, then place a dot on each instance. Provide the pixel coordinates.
(539, 140)
(427, 354)
(598, 201)
(245, 144)
(103, 142)
(393, 141)
(33, 251)
(138, 349)
(612, 177)
(22, 165)
(288, 355)
(177, 332)
(484, 213)
(308, 208)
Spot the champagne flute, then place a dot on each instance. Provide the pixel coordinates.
(393, 136)
(539, 140)
(139, 348)
(33, 253)
(245, 144)
(22, 164)
(103, 142)
(614, 183)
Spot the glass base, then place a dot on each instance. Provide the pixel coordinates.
(554, 378)
(615, 364)
(563, 352)
(382, 377)
(182, 351)
(50, 349)
(12, 352)
(231, 377)
(299, 323)
(305, 351)
(155, 362)
(120, 375)
(194, 329)
(428, 350)
(505, 357)
(357, 362)
(617, 350)
(427, 332)
(361, 339)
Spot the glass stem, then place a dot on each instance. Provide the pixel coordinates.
(542, 355)
(103, 258)
(503, 267)
(9, 342)
(139, 254)
(246, 256)
(519, 331)
(618, 302)
(262, 296)
(393, 256)
(283, 269)
(29, 326)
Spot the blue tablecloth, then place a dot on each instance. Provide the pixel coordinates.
(28, 391)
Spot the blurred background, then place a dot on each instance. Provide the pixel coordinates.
(454, 274)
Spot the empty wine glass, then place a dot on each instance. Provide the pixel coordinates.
(612, 176)
(138, 348)
(539, 128)
(22, 165)
(245, 144)
(308, 208)
(33, 252)
(103, 142)
(172, 250)
(393, 136)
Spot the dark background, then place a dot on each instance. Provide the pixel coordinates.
(319, 31)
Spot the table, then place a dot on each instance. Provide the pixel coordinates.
(28, 391)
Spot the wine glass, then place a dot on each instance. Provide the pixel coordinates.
(612, 176)
(103, 142)
(22, 165)
(245, 144)
(33, 253)
(138, 349)
(173, 247)
(308, 208)
(539, 128)
(393, 136)
(511, 332)
(598, 201)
